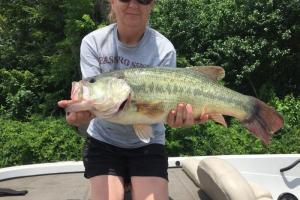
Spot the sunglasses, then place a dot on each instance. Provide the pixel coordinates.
(143, 2)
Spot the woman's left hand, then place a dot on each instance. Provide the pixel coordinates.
(183, 116)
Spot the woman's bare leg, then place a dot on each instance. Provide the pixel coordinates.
(107, 187)
(149, 188)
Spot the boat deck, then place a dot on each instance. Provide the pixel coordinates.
(73, 186)
(64, 180)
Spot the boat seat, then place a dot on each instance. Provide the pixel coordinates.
(221, 181)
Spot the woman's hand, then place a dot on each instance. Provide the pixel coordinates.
(76, 118)
(183, 116)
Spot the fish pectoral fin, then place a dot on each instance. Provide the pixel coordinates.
(215, 73)
(144, 132)
(217, 118)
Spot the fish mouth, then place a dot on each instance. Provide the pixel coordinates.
(76, 92)
(80, 90)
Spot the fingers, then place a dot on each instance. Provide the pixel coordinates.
(65, 103)
(78, 118)
(189, 116)
(72, 118)
(181, 116)
(75, 118)
(203, 118)
(171, 118)
(84, 116)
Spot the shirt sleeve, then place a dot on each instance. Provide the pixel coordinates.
(89, 63)
(169, 60)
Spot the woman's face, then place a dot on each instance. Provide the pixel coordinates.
(132, 13)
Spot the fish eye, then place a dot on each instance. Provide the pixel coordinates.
(92, 80)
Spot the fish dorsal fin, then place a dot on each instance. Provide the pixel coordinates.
(144, 132)
(215, 73)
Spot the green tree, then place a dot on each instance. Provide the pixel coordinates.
(43, 38)
(256, 42)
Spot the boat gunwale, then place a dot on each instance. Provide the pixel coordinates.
(77, 166)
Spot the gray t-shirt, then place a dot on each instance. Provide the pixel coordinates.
(101, 51)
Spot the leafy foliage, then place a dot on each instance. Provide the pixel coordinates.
(43, 38)
(37, 141)
(256, 42)
(18, 93)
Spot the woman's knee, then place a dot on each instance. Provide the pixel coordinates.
(107, 187)
(149, 188)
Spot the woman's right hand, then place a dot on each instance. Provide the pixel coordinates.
(183, 116)
(76, 118)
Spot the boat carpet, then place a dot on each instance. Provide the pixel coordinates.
(73, 186)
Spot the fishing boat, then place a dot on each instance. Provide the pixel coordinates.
(201, 177)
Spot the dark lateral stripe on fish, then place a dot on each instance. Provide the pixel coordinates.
(160, 89)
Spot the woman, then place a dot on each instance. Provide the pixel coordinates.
(114, 155)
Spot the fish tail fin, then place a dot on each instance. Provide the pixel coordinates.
(78, 106)
(264, 121)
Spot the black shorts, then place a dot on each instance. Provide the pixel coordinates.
(101, 158)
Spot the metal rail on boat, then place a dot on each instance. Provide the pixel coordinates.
(290, 166)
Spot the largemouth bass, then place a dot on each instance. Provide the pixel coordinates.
(144, 96)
